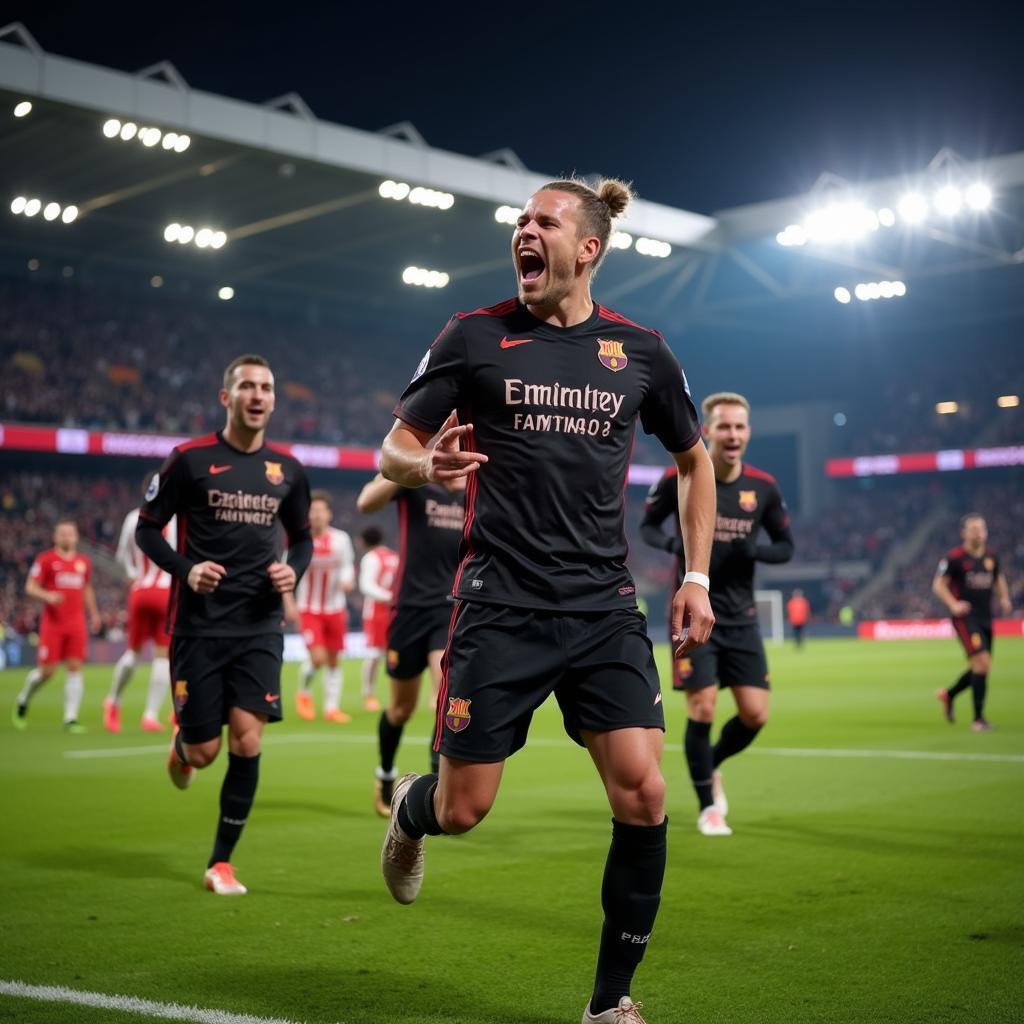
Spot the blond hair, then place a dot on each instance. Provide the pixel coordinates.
(722, 398)
(598, 207)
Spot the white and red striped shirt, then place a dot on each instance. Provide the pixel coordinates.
(376, 578)
(144, 573)
(321, 590)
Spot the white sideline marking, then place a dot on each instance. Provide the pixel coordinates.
(546, 741)
(131, 1004)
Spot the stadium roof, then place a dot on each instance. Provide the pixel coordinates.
(299, 202)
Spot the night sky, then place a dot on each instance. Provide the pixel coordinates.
(703, 107)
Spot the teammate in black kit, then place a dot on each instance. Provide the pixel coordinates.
(748, 501)
(229, 491)
(430, 521)
(548, 389)
(964, 583)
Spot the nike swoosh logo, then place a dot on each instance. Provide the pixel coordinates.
(512, 342)
(271, 697)
(214, 470)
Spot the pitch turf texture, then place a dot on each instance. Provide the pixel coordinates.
(863, 883)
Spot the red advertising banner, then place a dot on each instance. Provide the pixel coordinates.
(927, 629)
(952, 460)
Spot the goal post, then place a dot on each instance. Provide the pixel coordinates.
(769, 615)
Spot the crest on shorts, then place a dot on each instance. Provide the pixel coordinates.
(610, 355)
(748, 501)
(975, 639)
(392, 659)
(990, 564)
(685, 667)
(457, 716)
(274, 472)
(180, 692)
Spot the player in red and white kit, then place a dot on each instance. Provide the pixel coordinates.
(376, 579)
(321, 608)
(61, 579)
(148, 598)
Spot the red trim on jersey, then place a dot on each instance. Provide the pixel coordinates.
(618, 318)
(199, 442)
(670, 472)
(957, 552)
(759, 474)
(965, 638)
(442, 695)
(501, 309)
(176, 584)
(278, 449)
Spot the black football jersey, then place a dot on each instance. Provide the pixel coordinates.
(971, 578)
(554, 409)
(229, 504)
(431, 520)
(746, 505)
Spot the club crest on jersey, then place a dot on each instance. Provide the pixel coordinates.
(989, 564)
(610, 355)
(748, 501)
(180, 692)
(457, 716)
(274, 472)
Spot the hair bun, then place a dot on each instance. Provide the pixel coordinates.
(616, 195)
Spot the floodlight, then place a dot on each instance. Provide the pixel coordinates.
(978, 196)
(913, 207)
(946, 408)
(225, 293)
(129, 130)
(156, 281)
(150, 137)
(1008, 401)
(112, 128)
(70, 214)
(842, 295)
(51, 211)
(18, 204)
(218, 240)
(948, 200)
(886, 217)
(171, 232)
(32, 207)
(182, 143)
(204, 237)
(899, 289)
(861, 291)
(186, 234)
(23, 109)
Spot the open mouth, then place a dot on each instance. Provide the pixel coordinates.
(531, 265)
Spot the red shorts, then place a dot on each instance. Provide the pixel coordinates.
(324, 630)
(56, 645)
(375, 627)
(147, 617)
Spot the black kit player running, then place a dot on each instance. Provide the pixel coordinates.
(735, 655)
(547, 389)
(966, 581)
(430, 524)
(231, 492)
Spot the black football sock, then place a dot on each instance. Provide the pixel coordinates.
(697, 744)
(389, 737)
(979, 684)
(416, 814)
(735, 737)
(630, 894)
(179, 747)
(960, 685)
(236, 797)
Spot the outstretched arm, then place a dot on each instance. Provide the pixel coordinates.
(409, 459)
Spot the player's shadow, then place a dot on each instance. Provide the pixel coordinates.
(108, 862)
(414, 988)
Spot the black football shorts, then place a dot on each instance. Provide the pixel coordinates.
(974, 633)
(212, 674)
(412, 634)
(502, 663)
(734, 656)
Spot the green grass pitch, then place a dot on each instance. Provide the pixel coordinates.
(874, 886)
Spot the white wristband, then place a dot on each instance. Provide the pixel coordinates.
(699, 578)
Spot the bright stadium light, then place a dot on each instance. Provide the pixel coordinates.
(948, 200)
(620, 240)
(204, 238)
(226, 293)
(1008, 401)
(150, 136)
(32, 207)
(23, 109)
(913, 207)
(507, 214)
(218, 240)
(978, 196)
(70, 214)
(840, 222)
(182, 143)
(842, 295)
(899, 289)
(169, 140)
(886, 217)
(156, 281)
(18, 204)
(887, 289)
(129, 130)
(51, 211)
(946, 408)
(186, 234)
(425, 278)
(112, 128)
(171, 232)
(866, 291)
(793, 235)
(652, 247)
